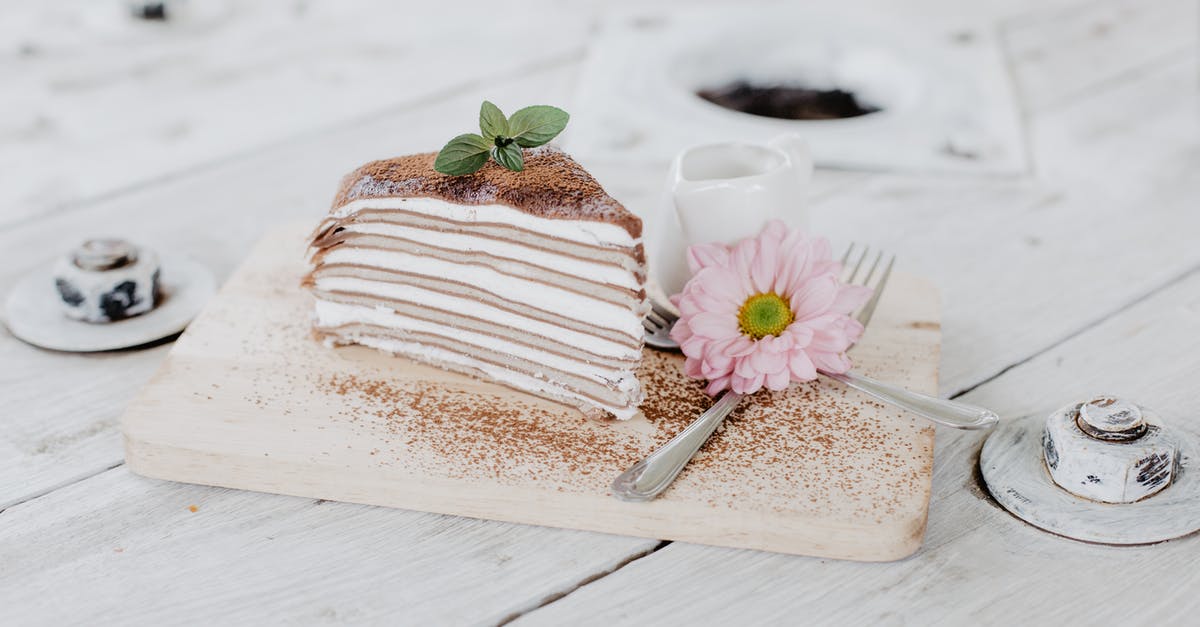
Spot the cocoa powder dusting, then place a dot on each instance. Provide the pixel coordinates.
(552, 185)
(477, 434)
(811, 440)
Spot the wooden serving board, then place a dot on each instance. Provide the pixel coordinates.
(248, 399)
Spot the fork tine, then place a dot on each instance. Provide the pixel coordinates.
(868, 310)
(656, 319)
(859, 264)
(846, 255)
(660, 311)
(874, 266)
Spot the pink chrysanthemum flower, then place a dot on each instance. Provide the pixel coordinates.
(765, 312)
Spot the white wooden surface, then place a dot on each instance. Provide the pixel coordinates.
(1082, 277)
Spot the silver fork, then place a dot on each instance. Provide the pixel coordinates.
(648, 478)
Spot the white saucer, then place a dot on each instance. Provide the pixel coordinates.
(32, 311)
(1016, 475)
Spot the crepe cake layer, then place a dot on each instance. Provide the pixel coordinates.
(533, 279)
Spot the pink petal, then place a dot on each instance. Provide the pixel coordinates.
(822, 259)
(687, 305)
(801, 366)
(854, 331)
(694, 346)
(780, 344)
(743, 367)
(774, 231)
(800, 335)
(710, 371)
(825, 267)
(741, 260)
(717, 353)
(718, 283)
(716, 364)
(779, 380)
(702, 299)
(716, 386)
(830, 362)
(682, 331)
(700, 256)
(796, 261)
(693, 368)
(746, 385)
(851, 297)
(741, 346)
(717, 326)
(784, 262)
(831, 333)
(765, 265)
(766, 362)
(814, 297)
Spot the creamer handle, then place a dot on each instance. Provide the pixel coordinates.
(797, 150)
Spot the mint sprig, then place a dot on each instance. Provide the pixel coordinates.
(502, 139)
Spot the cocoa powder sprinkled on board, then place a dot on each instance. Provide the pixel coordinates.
(812, 439)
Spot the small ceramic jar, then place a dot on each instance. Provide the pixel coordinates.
(105, 280)
(1110, 450)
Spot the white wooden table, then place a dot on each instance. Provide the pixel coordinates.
(1082, 276)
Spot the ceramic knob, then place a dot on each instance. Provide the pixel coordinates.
(1109, 449)
(104, 280)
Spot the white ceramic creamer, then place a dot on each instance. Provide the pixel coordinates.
(725, 192)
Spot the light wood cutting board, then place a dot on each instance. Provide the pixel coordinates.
(247, 399)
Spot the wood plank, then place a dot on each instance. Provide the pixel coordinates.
(67, 426)
(122, 549)
(1059, 54)
(980, 565)
(248, 399)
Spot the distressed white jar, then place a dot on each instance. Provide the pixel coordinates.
(105, 280)
(1109, 449)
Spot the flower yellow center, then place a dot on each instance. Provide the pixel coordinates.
(764, 314)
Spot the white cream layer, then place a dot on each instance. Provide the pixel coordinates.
(331, 314)
(503, 375)
(584, 231)
(522, 290)
(597, 272)
(448, 302)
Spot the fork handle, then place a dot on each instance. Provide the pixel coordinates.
(648, 478)
(942, 411)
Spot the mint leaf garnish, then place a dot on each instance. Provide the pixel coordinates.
(509, 156)
(463, 155)
(536, 125)
(492, 122)
(502, 139)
